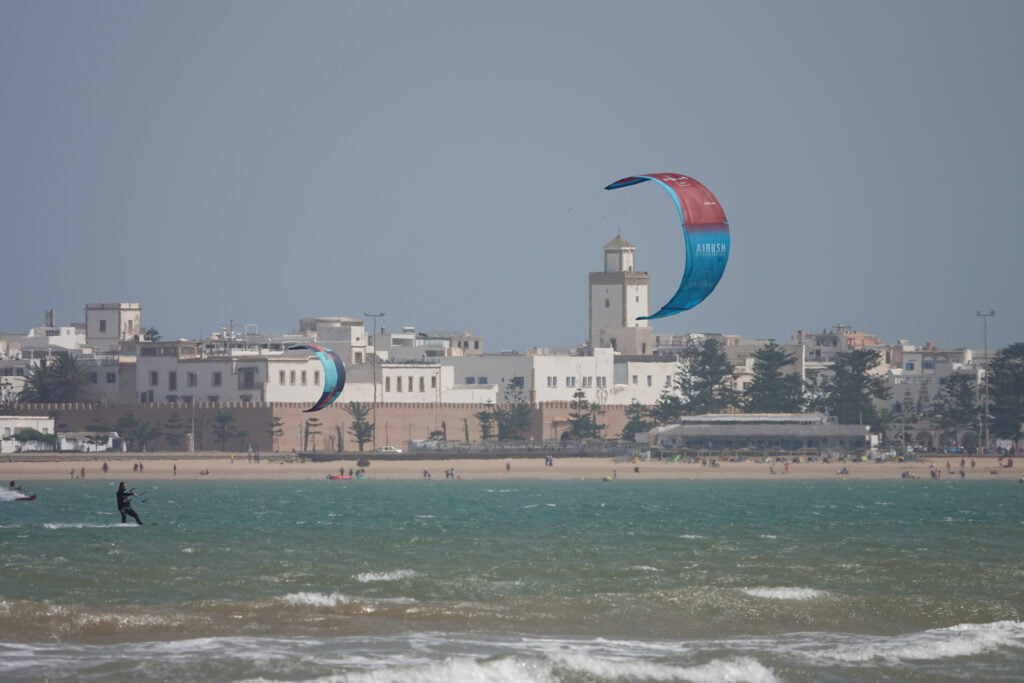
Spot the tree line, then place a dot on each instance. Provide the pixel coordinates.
(702, 384)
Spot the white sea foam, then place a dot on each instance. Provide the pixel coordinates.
(769, 536)
(526, 669)
(396, 575)
(53, 525)
(744, 669)
(784, 593)
(962, 640)
(690, 536)
(315, 599)
(644, 568)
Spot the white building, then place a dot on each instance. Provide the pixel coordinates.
(618, 296)
(107, 325)
(180, 372)
(604, 377)
(413, 345)
(12, 424)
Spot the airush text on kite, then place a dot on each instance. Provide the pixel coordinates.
(705, 237)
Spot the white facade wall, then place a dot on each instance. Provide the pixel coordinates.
(642, 380)
(169, 379)
(606, 308)
(104, 384)
(603, 377)
(408, 383)
(63, 337)
(298, 379)
(12, 424)
(107, 325)
(636, 301)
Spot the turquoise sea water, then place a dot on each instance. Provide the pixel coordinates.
(441, 580)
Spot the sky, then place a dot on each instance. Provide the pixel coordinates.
(255, 163)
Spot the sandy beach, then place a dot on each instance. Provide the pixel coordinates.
(222, 466)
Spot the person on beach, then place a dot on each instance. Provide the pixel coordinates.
(124, 504)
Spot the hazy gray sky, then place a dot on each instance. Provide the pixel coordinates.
(442, 162)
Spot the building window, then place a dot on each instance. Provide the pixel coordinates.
(111, 378)
(481, 380)
(302, 378)
(103, 326)
(909, 365)
(570, 382)
(191, 379)
(93, 377)
(433, 381)
(636, 379)
(423, 385)
(216, 379)
(172, 380)
(476, 345)
(154, 379)
(280, 377)
(291, 378)
(552, 382)
(602, 382)
(471, 380)
(650, 380)
(607, 303)
(316, 378)
(387, 384)
(927, 365)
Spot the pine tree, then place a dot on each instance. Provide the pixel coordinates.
(1006, 392)
(637, 421)
(223, 427)
(772, 390)
(956, 405)
(583, 418)
(850, 390)
(703, 379)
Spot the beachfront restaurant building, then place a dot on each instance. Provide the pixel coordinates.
(761, 432)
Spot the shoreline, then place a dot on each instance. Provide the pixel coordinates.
(224, 467)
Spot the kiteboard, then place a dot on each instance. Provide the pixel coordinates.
(32, 497)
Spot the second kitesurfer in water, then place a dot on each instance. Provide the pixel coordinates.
(124, 504)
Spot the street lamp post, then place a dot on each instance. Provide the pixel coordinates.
(373, 364)
(984, 425)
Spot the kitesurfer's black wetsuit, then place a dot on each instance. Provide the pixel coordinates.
(124, 506)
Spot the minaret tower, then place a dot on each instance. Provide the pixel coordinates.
(618, 296)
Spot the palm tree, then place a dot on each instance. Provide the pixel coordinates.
(361, 428)
(61, 380)
(141, 433)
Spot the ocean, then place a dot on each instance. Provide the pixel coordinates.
(516, 580)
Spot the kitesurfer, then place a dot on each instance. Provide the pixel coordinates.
(124, 503)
